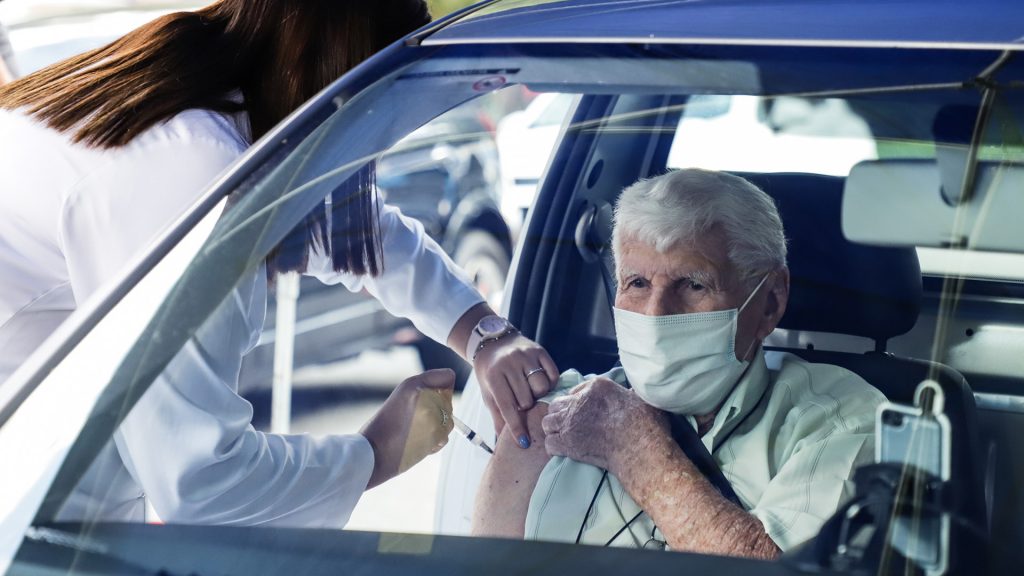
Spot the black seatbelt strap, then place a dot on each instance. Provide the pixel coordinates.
(691, 444)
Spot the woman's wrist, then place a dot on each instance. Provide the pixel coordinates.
(458, 338)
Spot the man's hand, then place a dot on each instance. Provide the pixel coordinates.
(507, 370)
(413, 423)
(605, 425)
(602, 424)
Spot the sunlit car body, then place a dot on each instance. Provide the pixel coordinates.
(634, 66)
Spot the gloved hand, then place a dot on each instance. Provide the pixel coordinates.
(413, 423)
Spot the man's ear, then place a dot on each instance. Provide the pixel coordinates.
(775, 302)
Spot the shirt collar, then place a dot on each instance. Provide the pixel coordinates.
(743, 399)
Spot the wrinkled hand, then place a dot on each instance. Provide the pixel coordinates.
(502, 367)
(413, 423)
(601, 423)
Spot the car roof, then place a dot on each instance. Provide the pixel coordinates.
(980, 24)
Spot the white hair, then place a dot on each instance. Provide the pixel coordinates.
(683, 204)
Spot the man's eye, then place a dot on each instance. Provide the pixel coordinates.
(696, 286)
(636, 283)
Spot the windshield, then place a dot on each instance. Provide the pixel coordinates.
(510, 159)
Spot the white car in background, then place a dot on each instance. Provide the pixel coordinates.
(741, 133)
(525, 140)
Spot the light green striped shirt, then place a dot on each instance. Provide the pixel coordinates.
(790, 462)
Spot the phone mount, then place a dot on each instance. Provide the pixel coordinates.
(900, 518)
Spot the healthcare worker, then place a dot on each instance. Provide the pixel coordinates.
(100, 152)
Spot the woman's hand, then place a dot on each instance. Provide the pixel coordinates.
(413, 423)
(513, 371)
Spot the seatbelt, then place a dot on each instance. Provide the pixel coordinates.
(698, 453)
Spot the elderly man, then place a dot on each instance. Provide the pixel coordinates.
(702, 280)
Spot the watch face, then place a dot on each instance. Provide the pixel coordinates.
(492, 326)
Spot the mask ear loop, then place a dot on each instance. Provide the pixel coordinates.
(751, 297)
(743, 307)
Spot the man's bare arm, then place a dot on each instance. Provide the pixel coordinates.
(688, 510)
(509, 480)
(605, 425)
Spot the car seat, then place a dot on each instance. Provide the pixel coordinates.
(839, 287)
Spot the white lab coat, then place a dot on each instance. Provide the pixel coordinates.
(71, 217)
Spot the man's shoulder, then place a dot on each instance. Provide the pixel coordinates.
(834, 393)
(572, 378)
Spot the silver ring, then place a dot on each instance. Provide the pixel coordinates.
(532, 372)
(444, 417)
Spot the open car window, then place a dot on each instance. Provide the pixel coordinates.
(451, 155)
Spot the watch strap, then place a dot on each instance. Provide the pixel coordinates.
(478, 338)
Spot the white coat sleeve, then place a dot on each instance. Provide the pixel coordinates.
(189, 442)
(420, 282)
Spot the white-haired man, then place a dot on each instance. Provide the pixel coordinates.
(702, 280)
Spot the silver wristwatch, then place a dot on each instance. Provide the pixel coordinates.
(487, 330)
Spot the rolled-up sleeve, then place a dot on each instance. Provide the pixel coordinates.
(420, 282)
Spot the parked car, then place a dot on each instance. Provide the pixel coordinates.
(782, 134)
(935, 84)
(525, 140)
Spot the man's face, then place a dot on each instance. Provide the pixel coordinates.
(697, 277)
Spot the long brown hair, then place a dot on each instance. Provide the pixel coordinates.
(278, 53)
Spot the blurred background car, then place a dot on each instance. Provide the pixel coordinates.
(525, 140)
(781, 134)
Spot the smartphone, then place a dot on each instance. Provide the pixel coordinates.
(906, 435)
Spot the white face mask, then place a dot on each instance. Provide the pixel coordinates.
(683, 363)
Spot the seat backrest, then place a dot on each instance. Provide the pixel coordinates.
(875, 292)
(837, 286)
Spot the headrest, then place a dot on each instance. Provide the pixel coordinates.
(838, 286)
